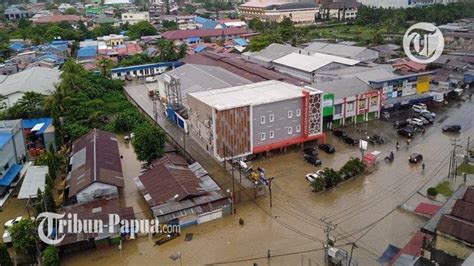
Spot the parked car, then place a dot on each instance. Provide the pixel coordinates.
(424, 120)
(400, 124)
(311, 177)
(427, 117)
(7, 238)
(415, 121)
(406, 132)
(415, 158)
(351, 140)
(339, 133)
(419, 107)
(427, 113)
(313, 159)
(150, 79)
(12, 222)
(328, 148)
(310, 151)
(452, 128)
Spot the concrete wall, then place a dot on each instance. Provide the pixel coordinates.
(7, 158)
(300, 74)
(452, 246)
(200, 123)
(281, 121)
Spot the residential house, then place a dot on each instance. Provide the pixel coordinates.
(71, 19)
(95, 168)
(197, 36)
(243, 120)
(339, 9)
(37, 79)
(97, 210)
(459, 41)
(301, 13)
(39, 134)
(12, 154)
(134, 17)
(143, 70)
(452, 228)
(306, 66)
(16, 12)
(348, 101)
(182, 194)
(405, 66)
(8, 69)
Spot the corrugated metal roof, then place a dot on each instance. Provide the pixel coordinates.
(4, 139)
(310, 63)
(343, 87)
(34, 179)
(37, 79)
(102, 161)
(185, 34)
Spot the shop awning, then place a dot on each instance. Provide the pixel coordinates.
(37, 127)
(10, 175)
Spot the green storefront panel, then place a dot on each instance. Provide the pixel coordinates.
(348, 121)
(372, 115)
(336, 123)
(328, 104)
(360, 118)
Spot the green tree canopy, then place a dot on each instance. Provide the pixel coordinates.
(149, 142)
(142, 28)
(24, 237)
(51, 256)
(5, 259)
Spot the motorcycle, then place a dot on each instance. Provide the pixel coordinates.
(375, 139)
(390, 158)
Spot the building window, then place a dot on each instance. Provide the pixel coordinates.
(298, 128)
(350, 106)
(262, 120)
(373, 101)
(272, 134)
(298, 112)
(271, 117)
(290, 114)
(262, 136)
(290, 130)
(337, 109)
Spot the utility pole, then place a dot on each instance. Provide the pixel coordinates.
(352, 250)
(270, 190)
(329, 227)
(453, 163)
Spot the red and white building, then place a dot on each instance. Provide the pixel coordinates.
(254, 118)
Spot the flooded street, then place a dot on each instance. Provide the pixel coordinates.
(365, 209)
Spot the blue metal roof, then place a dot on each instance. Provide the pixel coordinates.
(200, 20)
(210, 24)
(240, 41)
(17, 46)
(200, 48)
(56, 42)
(88, 51)
(140, 67)
(30, 123)
(194, 39)
(7, 179)
(4, 139)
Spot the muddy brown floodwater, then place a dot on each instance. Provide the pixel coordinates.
(364, 209)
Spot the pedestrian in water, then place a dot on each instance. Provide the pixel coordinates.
(398, 146)
(268, 254)
(423, 167)
(408, 143)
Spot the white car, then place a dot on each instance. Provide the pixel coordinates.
(7, 238)
(417, 108)
(415, 121)
(426, 112)
(150, 79)
(11, 222)
(311, 177)
(420, 106)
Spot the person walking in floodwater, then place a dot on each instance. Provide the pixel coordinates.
(398, 146)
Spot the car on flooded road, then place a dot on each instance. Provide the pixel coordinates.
(415, 158)
(351, 140)
(452, 128)
(406, 132)
(311, 177)
(328, 148)
(339, 133)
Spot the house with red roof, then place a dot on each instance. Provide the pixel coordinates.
(197, 36)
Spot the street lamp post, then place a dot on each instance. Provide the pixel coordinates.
(256, 184)
(231, 201)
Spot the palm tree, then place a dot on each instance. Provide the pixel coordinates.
(72, 74)
(105, 65)
(55, 104)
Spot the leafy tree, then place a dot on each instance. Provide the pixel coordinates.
(169, 25)
(142, 28)
(70, 11)
(331, 177)
(149, 142)
(183, 50)
(5, 259)
(260, 42)
(105, 65)
(256, 25)
(318, 184)
(137, 59)
(3, 104)
(377, 38)
(28, 106)
(104, 29)
(126, 121)
(24, 237)
(167, 50)
(51, 256)
(48, 200)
